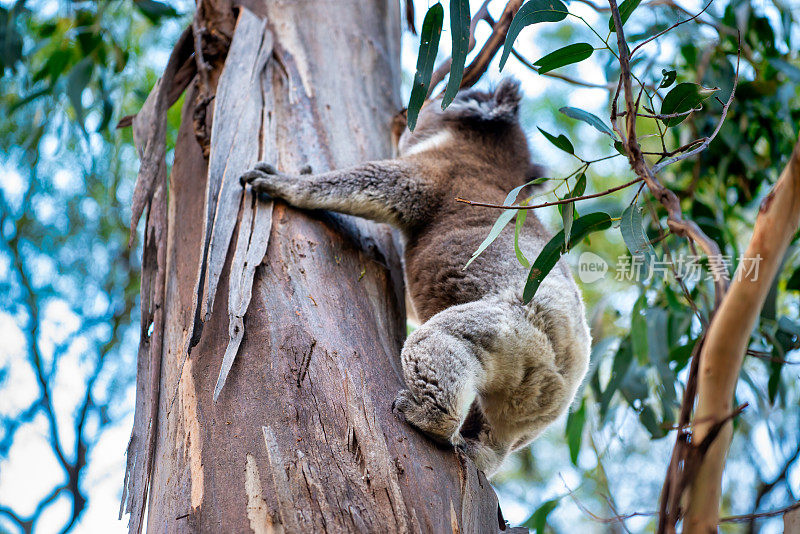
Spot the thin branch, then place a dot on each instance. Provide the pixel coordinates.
(704, 145)
(481, 62)
(766, 488)
(769, 357)
(546, 204)
(728, 519)
(409, 5)
(762, 515)
(564, 77)
(659, 34)
(675, 221)
(668, 116)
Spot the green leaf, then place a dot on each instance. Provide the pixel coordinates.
(498, 226)
(639, 329)
(560, 142)
(155, 10)
(568, 212)
(791, 72)
(459, 31)
(682, 98)
(794, 281)
(521, 216)
(532, 12)
(568, 55)
(428, 47)
(681, 354)
(76, 82)
(636, 240)
(668, 78)
(625, 10)
(588, 118)
(575, 423)
(649, 420)
(503, 220)
(619, 370)
(538, 520)
(554, 248)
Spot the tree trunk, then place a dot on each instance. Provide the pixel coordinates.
(302, 437)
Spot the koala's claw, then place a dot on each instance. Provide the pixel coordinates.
(266, 168)
(306, 169)
(403, 402)
(258, 171)
(249, 176)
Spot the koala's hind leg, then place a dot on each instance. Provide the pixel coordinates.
(443, 372)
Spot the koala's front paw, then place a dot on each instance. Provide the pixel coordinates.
(427, 417)
(267, 182)
(259, 172)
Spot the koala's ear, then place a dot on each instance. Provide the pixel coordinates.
(507, 97)
(399, 123)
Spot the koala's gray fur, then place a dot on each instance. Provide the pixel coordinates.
(484, 372)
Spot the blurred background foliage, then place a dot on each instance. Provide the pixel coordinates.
(69, 283)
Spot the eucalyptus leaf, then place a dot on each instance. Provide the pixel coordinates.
(568, 211)
(794, 280)
(428, 47)
(521, 216)
(682, 98)
(503, 220)
(639, 329)
(649, 420)
(560, 142)
(668, 78)
(567, 55)
(588, 118)
(575, 423)
(532, 12)
(619, 370)
(632, 229)
(792, 72)
(77, 81)
(538, 520)
(154, 10)
(459, 32)
(554, 248)
(625, 10)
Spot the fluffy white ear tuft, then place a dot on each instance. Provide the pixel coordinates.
(507, 97)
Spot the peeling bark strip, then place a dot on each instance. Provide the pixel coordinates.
(141, 446)
(150, 130)
(241, 102)
(269, 456)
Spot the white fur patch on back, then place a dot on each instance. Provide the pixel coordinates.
(437, 140)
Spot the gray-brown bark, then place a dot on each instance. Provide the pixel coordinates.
(302, 438)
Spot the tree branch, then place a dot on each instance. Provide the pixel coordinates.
(554, 203)
(481, 62)
(443, 69)
(729, 333)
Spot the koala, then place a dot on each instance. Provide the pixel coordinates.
(484, 372)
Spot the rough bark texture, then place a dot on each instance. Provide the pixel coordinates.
(301, 438)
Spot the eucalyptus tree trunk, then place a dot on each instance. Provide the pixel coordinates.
(301, 437)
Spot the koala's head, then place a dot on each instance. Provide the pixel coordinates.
(472, 111)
